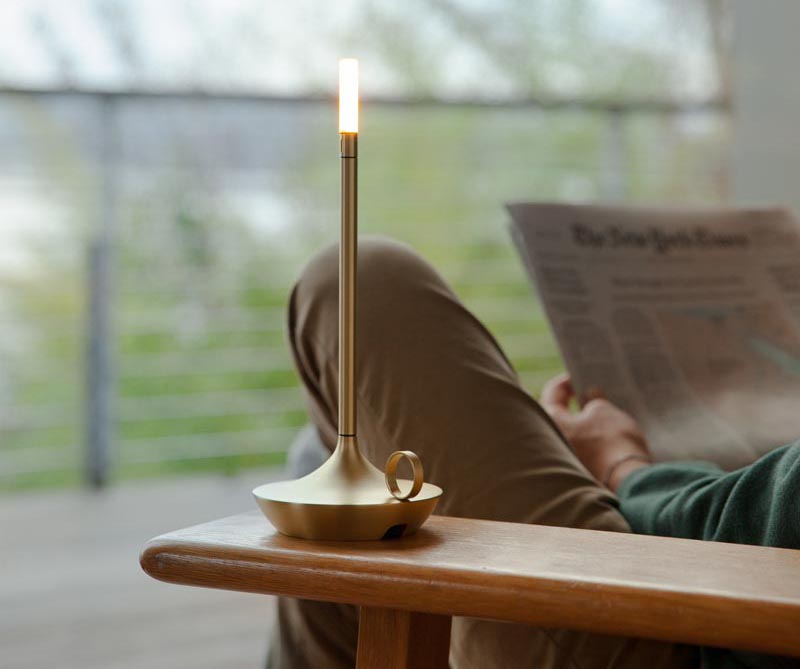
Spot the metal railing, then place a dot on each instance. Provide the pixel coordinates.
(127, 398)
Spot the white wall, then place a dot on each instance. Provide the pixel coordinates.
(766, 101)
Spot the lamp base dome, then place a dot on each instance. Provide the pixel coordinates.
(346, 499)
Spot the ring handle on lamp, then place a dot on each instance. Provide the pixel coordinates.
(391, 474)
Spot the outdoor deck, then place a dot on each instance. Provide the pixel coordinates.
(72, 593)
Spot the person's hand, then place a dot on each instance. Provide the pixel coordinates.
(608, 441)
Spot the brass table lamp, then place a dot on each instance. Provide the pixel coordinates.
(348, 498)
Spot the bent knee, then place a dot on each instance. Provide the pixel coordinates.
(384, 264)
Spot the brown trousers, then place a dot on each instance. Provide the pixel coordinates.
(432, 379)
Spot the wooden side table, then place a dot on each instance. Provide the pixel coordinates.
(408, 589)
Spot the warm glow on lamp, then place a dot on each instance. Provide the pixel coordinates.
(348, 497)
(348, 95)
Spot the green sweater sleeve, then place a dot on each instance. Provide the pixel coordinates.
(758, 504)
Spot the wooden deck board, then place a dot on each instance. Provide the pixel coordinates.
(72, 593)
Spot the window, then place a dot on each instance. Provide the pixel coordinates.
(172, 165)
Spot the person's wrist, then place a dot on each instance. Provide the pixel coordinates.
(618, 470)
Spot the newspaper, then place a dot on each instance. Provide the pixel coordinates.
(687, 319)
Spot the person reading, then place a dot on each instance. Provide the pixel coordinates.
(431, 377)
(693, 500)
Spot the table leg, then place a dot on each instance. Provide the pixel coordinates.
(393, 639)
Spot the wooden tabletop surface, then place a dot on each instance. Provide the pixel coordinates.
(674, 589)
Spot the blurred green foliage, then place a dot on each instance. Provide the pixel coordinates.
(209, 239)
(204, 377)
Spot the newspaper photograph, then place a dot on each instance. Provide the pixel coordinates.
(687, 319)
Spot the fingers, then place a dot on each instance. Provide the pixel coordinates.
(557, 392)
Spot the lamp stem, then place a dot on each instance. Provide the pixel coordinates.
(347, 286)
